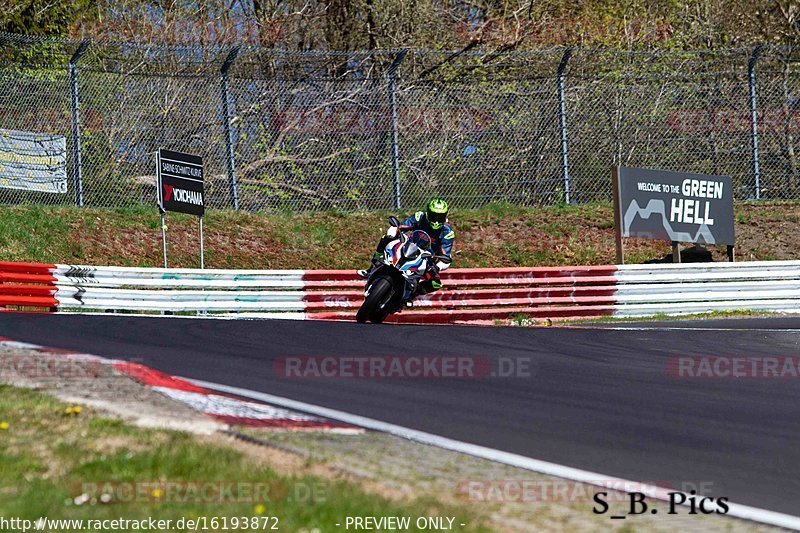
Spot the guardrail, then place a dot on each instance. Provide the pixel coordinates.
(470, 295)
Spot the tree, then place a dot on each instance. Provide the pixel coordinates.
(44, 17)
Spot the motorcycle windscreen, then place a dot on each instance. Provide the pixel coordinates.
(421, 239)
(412, 258)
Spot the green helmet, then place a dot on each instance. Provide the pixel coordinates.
(436, 213)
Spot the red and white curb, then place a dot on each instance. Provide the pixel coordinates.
(224, 408)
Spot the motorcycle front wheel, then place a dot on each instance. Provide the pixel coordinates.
(372, 309)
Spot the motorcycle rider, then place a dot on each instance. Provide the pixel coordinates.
(432, 221)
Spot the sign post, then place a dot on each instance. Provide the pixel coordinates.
(180, 189)
(202, 253)
(672, 206)
(164, 235)
(617, 218)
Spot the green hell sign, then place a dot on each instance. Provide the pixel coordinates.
(674, 206)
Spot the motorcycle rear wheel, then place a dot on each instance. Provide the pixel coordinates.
(379, 293)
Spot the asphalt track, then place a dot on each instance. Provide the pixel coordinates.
(596, 398)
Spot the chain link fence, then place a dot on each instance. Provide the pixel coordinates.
(389, 129)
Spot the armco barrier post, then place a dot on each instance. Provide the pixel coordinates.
(562, 120)
(226, 120)
(751, 74)
(392, 73)
(77, 163)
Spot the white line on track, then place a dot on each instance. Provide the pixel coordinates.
(677, 328)
(543, 467)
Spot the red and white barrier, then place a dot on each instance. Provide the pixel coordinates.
(477, 295)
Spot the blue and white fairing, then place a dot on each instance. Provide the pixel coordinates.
(406, 257)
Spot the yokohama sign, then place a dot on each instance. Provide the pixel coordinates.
(376, 120)
(180, 182)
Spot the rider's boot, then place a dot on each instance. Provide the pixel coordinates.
(376, 261)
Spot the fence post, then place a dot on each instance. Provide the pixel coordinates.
(77, 163)
(751, 71)
(562, 120)
(227, 125)
(395, 136)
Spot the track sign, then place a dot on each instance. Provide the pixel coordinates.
(674, 206)
(180, 182)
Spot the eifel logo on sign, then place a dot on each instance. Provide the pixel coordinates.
(180, 182)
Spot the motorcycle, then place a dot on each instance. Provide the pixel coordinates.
(393, 284)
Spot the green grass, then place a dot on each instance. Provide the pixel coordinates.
(497, 235)
(49, 459)
(524, 320)
(659, 317)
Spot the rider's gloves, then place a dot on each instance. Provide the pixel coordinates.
(391, 232)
